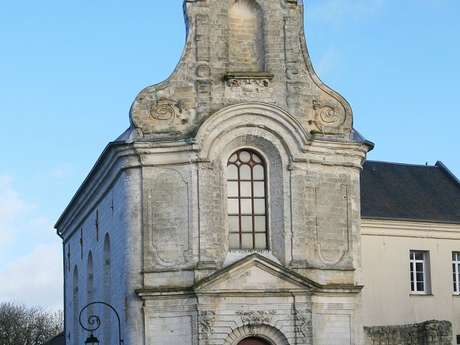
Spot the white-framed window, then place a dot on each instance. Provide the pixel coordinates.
(419, 272)
(456, 271)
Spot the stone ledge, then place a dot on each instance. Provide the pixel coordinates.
(248, 75)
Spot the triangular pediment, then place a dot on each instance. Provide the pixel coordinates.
(254, 273)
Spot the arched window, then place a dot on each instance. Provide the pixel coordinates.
(247, 201)
(107, 281)
(90, 280)
(107, 269)
(90, 283)
(75, 307)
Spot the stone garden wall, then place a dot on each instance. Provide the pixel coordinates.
(426, 333)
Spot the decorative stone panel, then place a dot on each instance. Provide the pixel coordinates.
(168, 219)
(213, 237)
(332, 235)
(206, 321)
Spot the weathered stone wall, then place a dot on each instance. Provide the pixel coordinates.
(112, 210)
(426, 333)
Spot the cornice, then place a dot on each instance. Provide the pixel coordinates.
(117, 157)
(410, 229)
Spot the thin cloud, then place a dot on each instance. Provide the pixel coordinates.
(11, 206)
(30, 252)
(337, 11)
(61, 172)
(34, 279)
(20, 217)
(10, 202)
(329, 62)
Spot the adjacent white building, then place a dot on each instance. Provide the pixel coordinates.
(410, 235)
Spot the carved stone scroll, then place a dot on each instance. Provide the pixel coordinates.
(328, 117)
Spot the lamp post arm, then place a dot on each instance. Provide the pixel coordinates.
(94, 322)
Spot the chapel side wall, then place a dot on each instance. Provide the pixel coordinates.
(385, 250)
(108, 216)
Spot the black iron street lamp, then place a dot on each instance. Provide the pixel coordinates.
(92, 340)
(94, 322)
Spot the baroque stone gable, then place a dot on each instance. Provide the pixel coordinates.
(238, 51)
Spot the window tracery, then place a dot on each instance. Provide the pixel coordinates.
(247, 201)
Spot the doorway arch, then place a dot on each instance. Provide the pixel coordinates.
(253, 341)
(264, 334)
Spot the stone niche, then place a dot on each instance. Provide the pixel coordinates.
(246, 36)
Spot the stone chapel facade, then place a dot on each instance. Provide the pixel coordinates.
(229, 212)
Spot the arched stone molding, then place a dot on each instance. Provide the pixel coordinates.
(277, 137)
(277, 161)
(268, 333)
(267, 119)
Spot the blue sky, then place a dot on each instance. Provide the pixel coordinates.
(69, 71)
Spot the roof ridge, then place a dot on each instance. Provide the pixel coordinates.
(449, 173)
(404, 164)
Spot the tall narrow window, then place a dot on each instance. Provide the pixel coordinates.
(75, 307)
(419, 272)
(90, 280)
(456, 271)
(107, 290)
(247, 201)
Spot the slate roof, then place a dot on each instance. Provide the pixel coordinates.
(409, 192)
(57, 340)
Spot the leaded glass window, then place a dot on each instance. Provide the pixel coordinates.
(247, 201)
